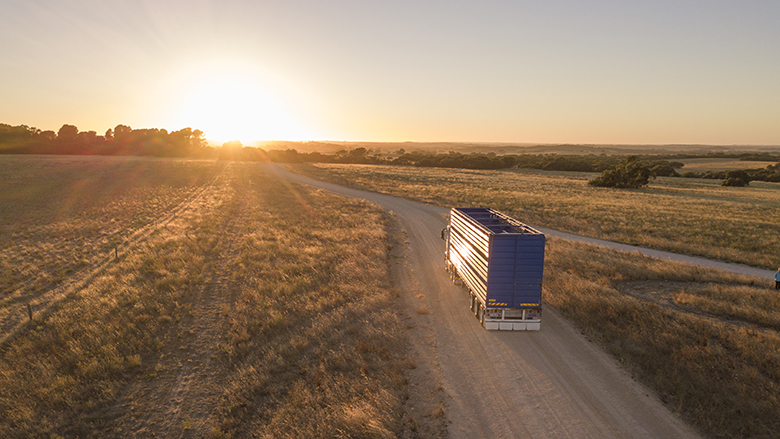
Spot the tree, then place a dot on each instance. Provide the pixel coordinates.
(664, 170)
(67, 133)
(21, 133)
(630, 173)
(736, 178)
(122, 133)
(47, 136)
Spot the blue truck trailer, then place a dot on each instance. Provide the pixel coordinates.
(500, 260)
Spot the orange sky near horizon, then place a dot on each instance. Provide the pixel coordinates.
(597, 72)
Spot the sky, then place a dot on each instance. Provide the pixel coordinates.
(516, 71)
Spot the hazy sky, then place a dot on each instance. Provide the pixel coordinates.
(495, 71)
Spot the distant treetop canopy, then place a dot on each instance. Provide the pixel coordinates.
(122, 140)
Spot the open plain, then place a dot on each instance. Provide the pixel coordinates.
(701, 334)
(179, 298)
(689, 216)
(186, 298)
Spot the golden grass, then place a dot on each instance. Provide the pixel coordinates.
(718, 165)
(746, 303)
(61, 372)
(314, 342)
(706, 341)
(690, 216)
(68, 365)
(62, 216)
(312, 346)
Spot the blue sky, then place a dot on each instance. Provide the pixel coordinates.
(493, 71)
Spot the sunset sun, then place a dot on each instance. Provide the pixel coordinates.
(231, 105)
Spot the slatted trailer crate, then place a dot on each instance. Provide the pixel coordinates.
(501, 261)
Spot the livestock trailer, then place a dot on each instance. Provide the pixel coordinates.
(501, 262)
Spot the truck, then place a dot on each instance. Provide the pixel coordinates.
(501, 262)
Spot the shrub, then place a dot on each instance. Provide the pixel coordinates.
(664, 170)
(630, 173)
(738, 178)
(736, 182)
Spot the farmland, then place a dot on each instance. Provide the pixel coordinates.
(189, 298)
(690, 216)
(707, 342)
(717, 165)
(704, 340)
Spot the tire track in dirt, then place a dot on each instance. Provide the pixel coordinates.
(183, 400)
(423, 414)
(14, 315)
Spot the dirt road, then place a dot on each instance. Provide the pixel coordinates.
(547, 384)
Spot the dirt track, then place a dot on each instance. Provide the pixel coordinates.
(181, 401)
(547, 384)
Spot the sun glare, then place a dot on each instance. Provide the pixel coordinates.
(227, 104)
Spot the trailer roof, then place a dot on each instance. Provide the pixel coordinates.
(496, 222)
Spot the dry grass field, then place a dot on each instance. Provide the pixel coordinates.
(690, 216)
(707, 342)
(234, 305)
(717, 165)
(64, 218)
(196, 298)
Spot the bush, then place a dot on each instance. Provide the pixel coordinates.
(630, 173)
(736, 182)
(738, 178)
(664, 170)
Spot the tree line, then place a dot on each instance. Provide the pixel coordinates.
(621, 171)
(121, 140)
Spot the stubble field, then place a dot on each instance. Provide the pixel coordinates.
(194, 298)
(705, 341)
(203, 299)
(689, 216)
